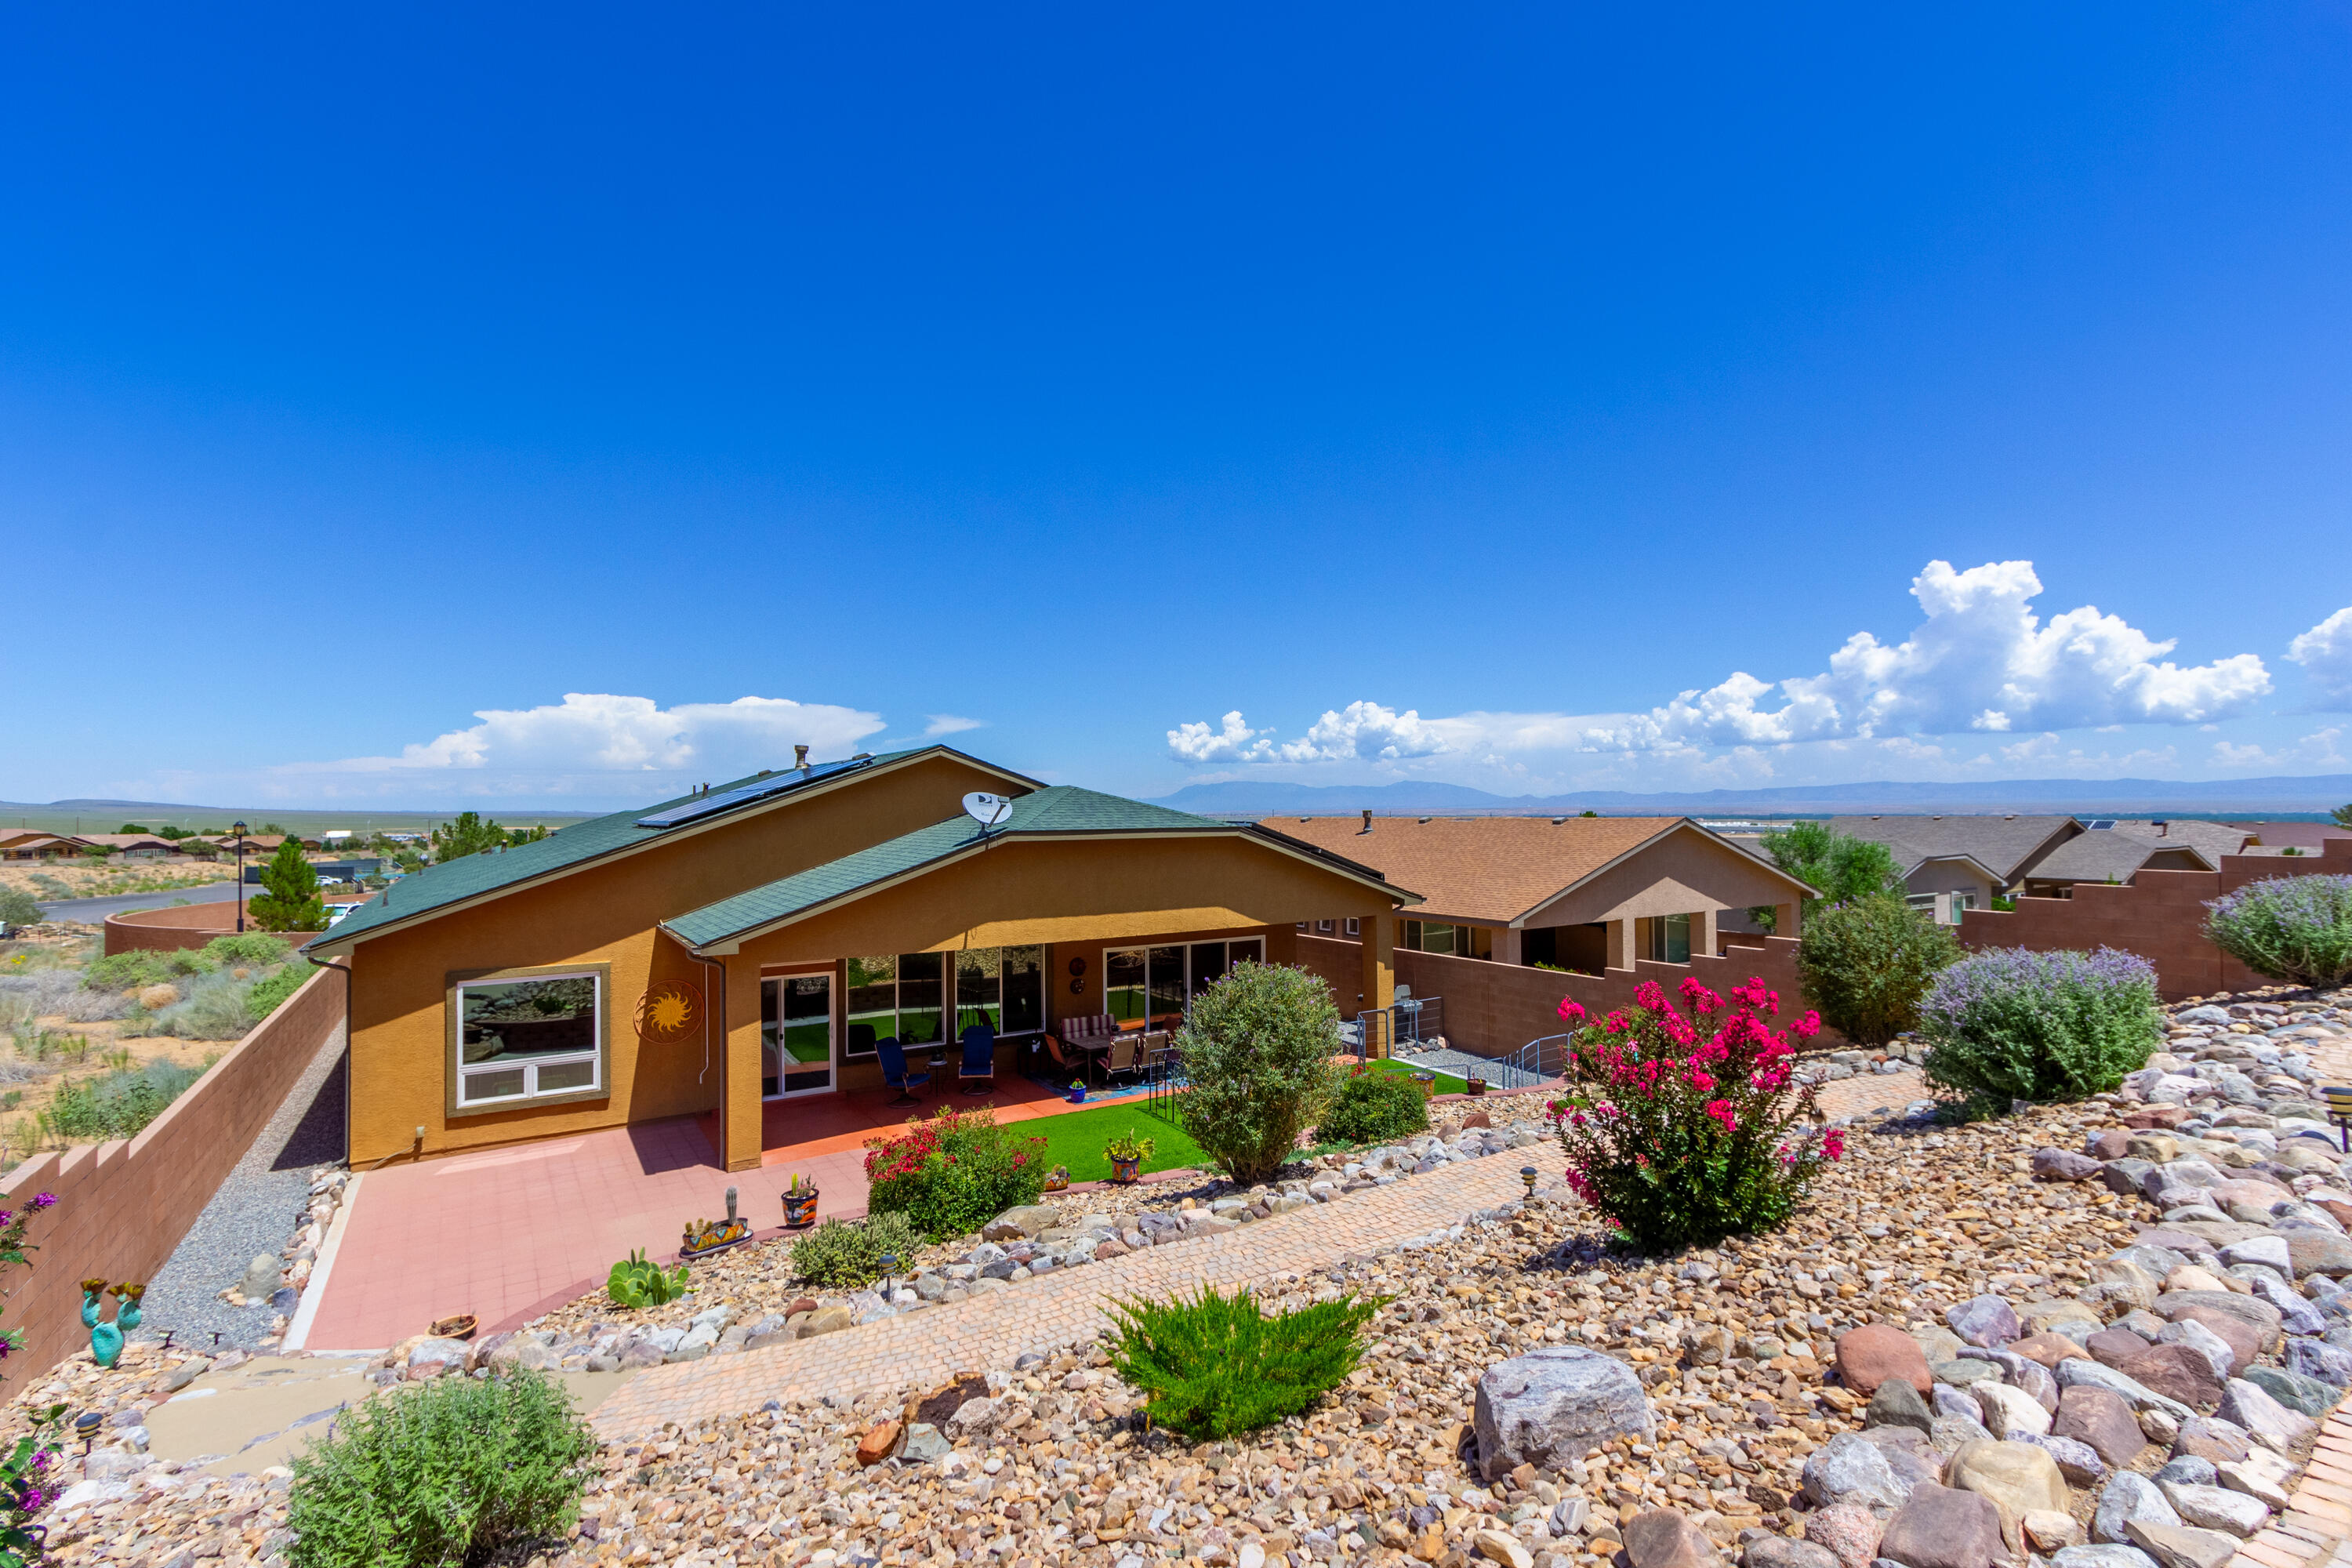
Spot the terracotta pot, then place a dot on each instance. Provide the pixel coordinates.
(800, 1209)
(1124, 1173)
(1478, 1086)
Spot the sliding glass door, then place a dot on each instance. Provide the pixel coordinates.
(795, 1036)
(1150, 987)
(924, 998)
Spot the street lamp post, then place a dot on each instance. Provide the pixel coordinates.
(238, 828)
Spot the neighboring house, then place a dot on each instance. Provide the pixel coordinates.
(2117, 849)
(22, 844)
(1583, 894)
(746, 950)
(2276, 837)
(133, 846)
(1954, 863)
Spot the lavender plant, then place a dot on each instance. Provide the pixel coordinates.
(2289, 927)
(2010, 1024)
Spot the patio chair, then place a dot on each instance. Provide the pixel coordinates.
(1069, 1058)
(1122, 1056)
(978, 1073)
(895, 1071)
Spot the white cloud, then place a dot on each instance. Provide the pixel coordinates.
(949, 724)
(2317, 749)
(2325, 653)
(1362, 731)
(597, 743)
(1981, 660)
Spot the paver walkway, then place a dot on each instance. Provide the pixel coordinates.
(2312, 1532)
(1061, 1309)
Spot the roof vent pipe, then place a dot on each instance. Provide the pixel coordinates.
(800, 758)
(1368, 819)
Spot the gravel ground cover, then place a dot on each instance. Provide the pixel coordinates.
(265, 1200)
(1961, 1352)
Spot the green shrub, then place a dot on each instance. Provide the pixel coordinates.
(1374, 1108)
(127, 971)
(117, 1104)
(456, 1470)
(2297, 928)
(952, 1172)
(2008, 1024)
(18, 908)
(636, 1281)
(272, 990)
(844, 1254)
(1257, 1048)
(291, 902)
(1680, 1131)
(1838, 866)
(217, 1006)
(1215, 1366)
(1866, 963)
(252, 949)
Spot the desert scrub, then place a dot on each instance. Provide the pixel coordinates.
(844, 1254)
(1257, 1048)
(1213, 1366)
(2009, 1023)
(2297, 928)
(1866, 963)
(1374, 1108)
(117, 1104)
(445, 1472)
(217, 1007)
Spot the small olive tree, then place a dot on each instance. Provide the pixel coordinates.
(1257, 1047)
(1866, 963)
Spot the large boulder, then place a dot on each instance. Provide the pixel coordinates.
(2218, 1353)
(2319, 1359)
(2241, 1338)
(1780, 1552)
(2256, 1313)
(2203, 1437)
(1985, 1321)
(2018, 1476)
(2251, 1406)
(2046, 1350)
(2183, 1546)
(2178, 1372)
(1945, 1527)
(1898, 1403)
(1848, 1531)
(1849, 1468)
(2137, 1395)
(2100, 1418)
(2293, 1390)
(1554, 1404)
(1869, 1355)
(2319, 1252)
(1021, 1223)
(2010, 1412)
(2112, 1554)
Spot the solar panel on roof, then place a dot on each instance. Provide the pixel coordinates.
(2103, 822)
(711, 804)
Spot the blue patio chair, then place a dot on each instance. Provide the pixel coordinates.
(977, 1075)
(895, 1072)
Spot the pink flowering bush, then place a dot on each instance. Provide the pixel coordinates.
(1684, 1125)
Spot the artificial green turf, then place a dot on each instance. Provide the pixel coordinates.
(1077, 1139)
(1447, 1082)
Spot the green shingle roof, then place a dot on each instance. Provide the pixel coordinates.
(567, 848)
(1056, 811)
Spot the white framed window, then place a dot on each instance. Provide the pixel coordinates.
(1355, 926)
(525, 1037)
(1325, 926)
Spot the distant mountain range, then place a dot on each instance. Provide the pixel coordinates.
(2112, 797)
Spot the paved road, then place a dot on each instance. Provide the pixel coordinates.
(97, 910)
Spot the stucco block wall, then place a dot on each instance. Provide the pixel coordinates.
(2159, 915)
(1493, 1009)
(185, 926)
(122, 1207)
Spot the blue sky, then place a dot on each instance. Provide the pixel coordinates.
(555, 406)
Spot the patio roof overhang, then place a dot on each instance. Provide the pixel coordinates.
(1059, 814)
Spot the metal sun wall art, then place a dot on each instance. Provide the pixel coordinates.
(670, 1010)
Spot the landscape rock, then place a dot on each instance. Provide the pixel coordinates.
(1849, 1468)
(2129, 1498)
(2018, 1476)
(1986, 1321)
(1554, 1404)
(1943, 1527)
(1898, 1403)
(2215, 1508)
(1848, 1531)
(1661, 1538)
(1780, 1552)
(2099, 1418)
(2182, 1546)
(1869, 1355)
(2251, 1406)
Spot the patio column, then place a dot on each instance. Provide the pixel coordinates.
(1509, 948)
(736, 1064)
(1621, 944)
(1702, 935)
(1378, 943)
(1788, 920)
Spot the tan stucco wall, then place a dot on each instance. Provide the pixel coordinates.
(1683, 873)
(1950, 877)
(602, 914)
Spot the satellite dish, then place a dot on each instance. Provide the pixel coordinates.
(988, 810)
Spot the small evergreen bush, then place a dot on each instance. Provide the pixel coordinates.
(271, 990)
(1682, 1130)
(1215, 1366)
(2009, 1023)
(1374, 1108)
(291, 902)
(2295, 929)
(952, 1172)
(1257, 1048)
(845, 1254)
(18, 908)
(1866, 963)
(453, 1470)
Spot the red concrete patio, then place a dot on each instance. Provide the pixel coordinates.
(514, 1232)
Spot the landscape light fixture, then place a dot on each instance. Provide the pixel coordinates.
(1527, 1175)
(2339, 1111)
(238, 828)
(86, 1425)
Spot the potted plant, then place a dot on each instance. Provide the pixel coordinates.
(1126, 1153)
(1077, 1094)
(1057, 1179)
(1477, 1085)
(800, 1203)
(1428, 1081)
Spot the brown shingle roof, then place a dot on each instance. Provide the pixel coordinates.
(1479, 868)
